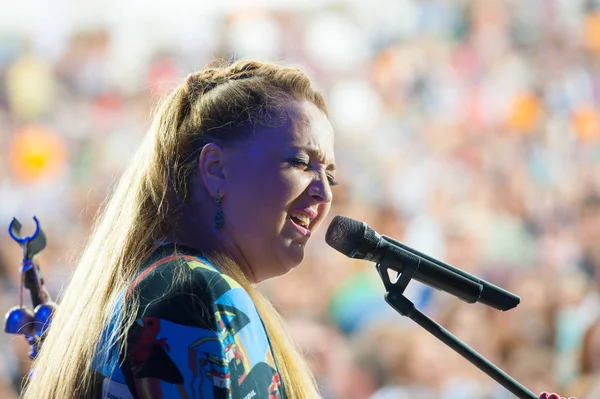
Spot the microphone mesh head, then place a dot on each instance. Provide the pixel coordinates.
(345, 235)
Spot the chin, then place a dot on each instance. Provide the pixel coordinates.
(274, 272)
(283, 261)
(296, 254)
(291, 258)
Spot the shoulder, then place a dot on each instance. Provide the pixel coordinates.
(186, 289)
(181, 272)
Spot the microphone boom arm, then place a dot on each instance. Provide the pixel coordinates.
(396, 299)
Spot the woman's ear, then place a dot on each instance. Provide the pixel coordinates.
(210, 167)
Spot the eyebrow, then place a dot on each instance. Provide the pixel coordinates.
(315, 153)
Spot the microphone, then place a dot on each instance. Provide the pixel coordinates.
(357, 240)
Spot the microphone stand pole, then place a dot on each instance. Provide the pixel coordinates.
(395, 298)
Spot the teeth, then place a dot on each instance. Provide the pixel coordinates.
(303, 219)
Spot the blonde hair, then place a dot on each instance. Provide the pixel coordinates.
(218, 104)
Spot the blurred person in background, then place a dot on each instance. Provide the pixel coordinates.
(587, 385)
(473, 325)
(535, 366)
(403, 359)
(532, 322)
(578, 307)
(339, 371)
(233, 177)
(589, 234)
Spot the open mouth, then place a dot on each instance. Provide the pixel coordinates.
(301, 221)
(302, 224)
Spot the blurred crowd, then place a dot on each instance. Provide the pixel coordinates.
(469, 130)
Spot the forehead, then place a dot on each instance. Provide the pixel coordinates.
(314, 124)
(313, 131)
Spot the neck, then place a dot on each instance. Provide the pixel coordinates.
(197, 233)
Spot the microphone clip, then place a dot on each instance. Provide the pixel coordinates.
(401, 279)
(395, 290)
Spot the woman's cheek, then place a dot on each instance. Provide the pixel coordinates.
(295, 182)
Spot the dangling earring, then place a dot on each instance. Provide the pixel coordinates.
(219, 217)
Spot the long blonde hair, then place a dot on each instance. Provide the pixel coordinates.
(217, 104)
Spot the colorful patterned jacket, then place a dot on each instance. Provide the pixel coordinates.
(197, 335)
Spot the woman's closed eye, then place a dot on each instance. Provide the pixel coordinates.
(300, 162)
(304, 164)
